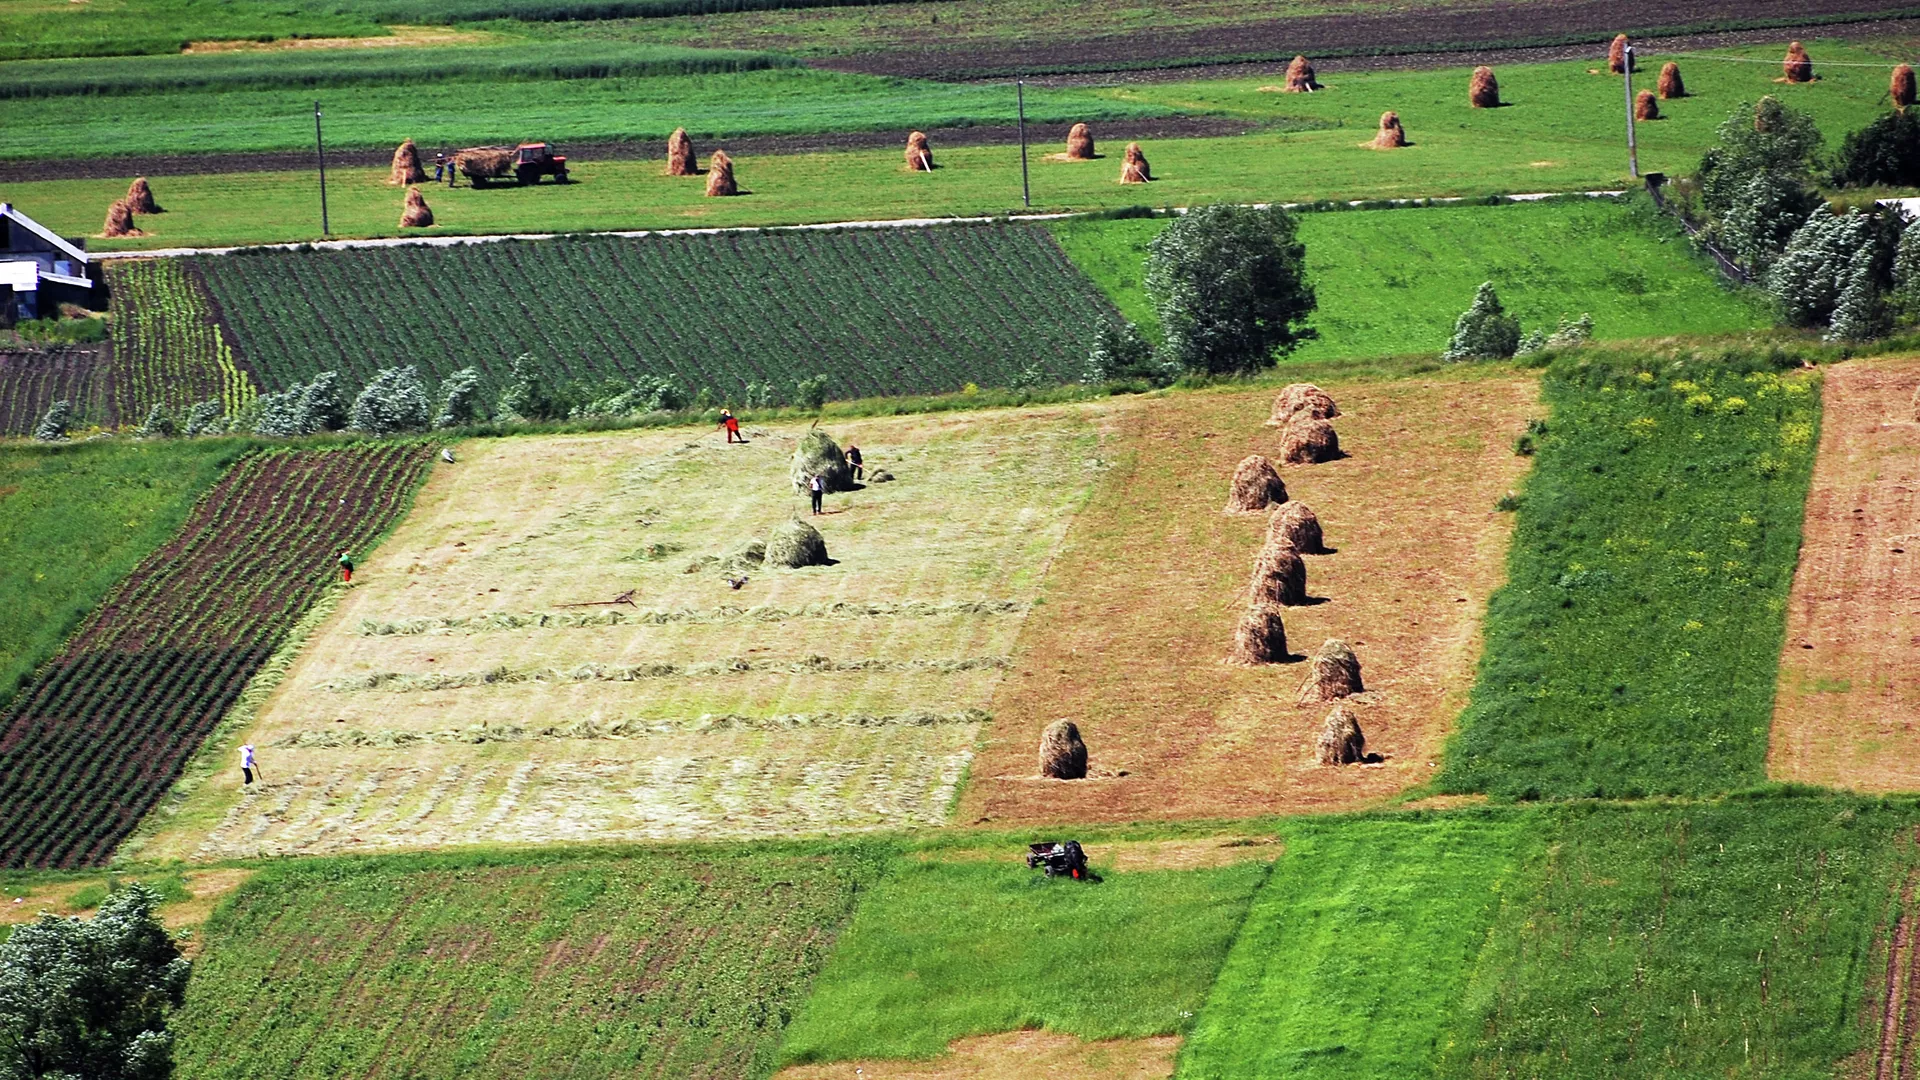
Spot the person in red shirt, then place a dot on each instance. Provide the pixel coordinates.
(732, 424)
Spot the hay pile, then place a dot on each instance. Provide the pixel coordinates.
(1296, 526)
(1256, 486)
(485, 162)
(1671, 85)
(1300, 78)
(1302, 397)
(1279, 577)
(416, 215)
(1798, 66)
(406, 166)
(818, 455)
(1916, 404)
(1617, 55)
(680, 159)
(720, 180)
(1483, 90)
(1645, 107)
(1341, 742)
(140, 197)
(1391, 135)
(1308, 441)
(1079, 143)
(919, 152)
(1133, 168)
(1333, 673)
(120, 220)
(1261, 637)
(796, 544)
(1062, 755)
(1900, 88)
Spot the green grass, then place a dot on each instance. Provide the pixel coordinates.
(943, 950)
(661, 963)
(1394, 281)
(1354, 955)
(74, 520)
(1634, 649)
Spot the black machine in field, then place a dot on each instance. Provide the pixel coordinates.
(1059, 859)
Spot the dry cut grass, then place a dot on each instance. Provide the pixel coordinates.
(1014, 1055)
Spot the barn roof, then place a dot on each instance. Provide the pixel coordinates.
(12, 213)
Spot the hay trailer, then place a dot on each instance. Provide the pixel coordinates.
(1059, 859)
(525, 164)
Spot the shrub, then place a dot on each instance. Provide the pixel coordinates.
(53, 330)
(158, 424)
(1755, 230)
(460, 402)
(811, 393)
(1859, 314)
(203, 418)
(396, 400)
(1886, 151)
(1484, 330)
(528, 395)
(53, 426)
(645, 394)
(1812, 272)
(1123, 353)
(1904, 299)
(1565, 334)
(1230, 286)
(1764, 137)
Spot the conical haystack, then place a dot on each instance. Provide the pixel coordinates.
(680, 159)
(406, 165)
(1645, 106)
(1671, 85)
(1256, 486)
(140, 197)
(1483, 90)
(1798, 66)
(1333, 673)
(720, 175)
(796, 544)
(818, 455)
(1900, 88)
(1308, 441)
(119, 220)
(1279, 577)
(1133, 168)
(919, 152)
(1302, 397)
(1340, 742)
(1063, 756)
(417, 215)
(1295, 525)
(1391, 135)
(1261, 637)
(1617, 55)
(1080, 143)
(1300, 78)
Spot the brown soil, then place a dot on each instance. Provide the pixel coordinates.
(1848, 703)
(1148, 589)
(1015, 1055)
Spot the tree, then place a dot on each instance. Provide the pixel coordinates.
(1859, 314)
(203, 418)
(88, 998)
(302, 410)
(460, 402)
(1484, 331)
(1886, 151)
(1810, 274)
(1767, 136)
(53, 426)
(396, 400)
(528, 395)
(1230, 285)
(159, 424)
(1755, 230)
(1904, 299)
(811, 393)
(1122, 353)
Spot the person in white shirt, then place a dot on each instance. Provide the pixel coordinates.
(247, 766)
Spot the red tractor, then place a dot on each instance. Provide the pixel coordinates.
(525, 163)
(537, 159)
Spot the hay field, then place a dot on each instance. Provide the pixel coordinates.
(429, 712)
(1141, 607)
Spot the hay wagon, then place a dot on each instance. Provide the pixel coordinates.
(524, 164)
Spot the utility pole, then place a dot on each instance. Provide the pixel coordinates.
(1026, 192)
(1633, 153)
(320, 151)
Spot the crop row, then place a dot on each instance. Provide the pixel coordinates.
(168, 347)
(879, 311)
(30, 382)
(102, 732)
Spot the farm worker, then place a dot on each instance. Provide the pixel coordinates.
(853, 461)
(247, 767)
(346, 567)
(439, 167)
(732, 424)
(453, 169)
(817, 488)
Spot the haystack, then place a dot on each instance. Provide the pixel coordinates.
(1261, 637)
(1080, 143)
(417, 215)
(1256, 486)
(120, 220)
(1671, 85)
(1391, 135)
(796, 544)
(1062, 755)
(1298, 527)
(680, 159)
(1798, 66)
(1133, 168)
(1916, 404)
(406, 165)
(720, 180)
(1300, 78)
(1900, 89)
(1333, 673)
(1302, 397)
(486, 162)
(818, 455)
(919, 152)
(1279, 577)
(1645, 107)
(140, 197)
(1308, 441)
(1617, 55)
(1483, 90)
(1341, 742)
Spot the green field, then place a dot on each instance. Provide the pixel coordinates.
(1394, 281)
(1633, 651)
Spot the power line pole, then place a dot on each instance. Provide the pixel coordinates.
(320, 151)
(1633, 152)
(1026, 192)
